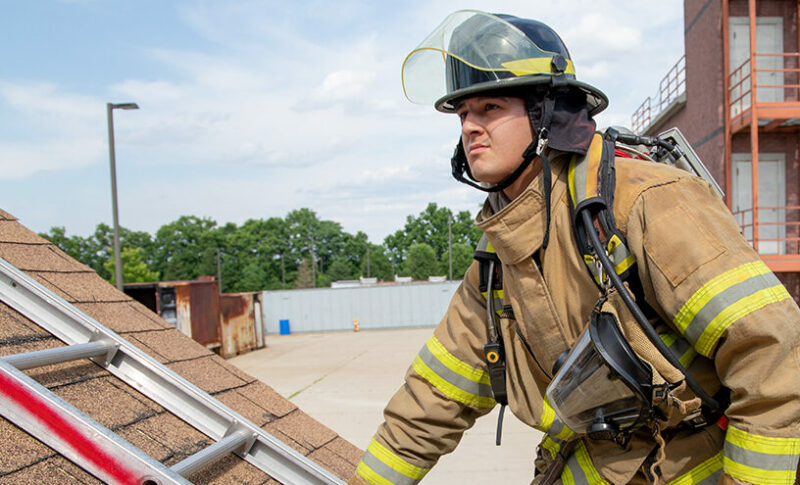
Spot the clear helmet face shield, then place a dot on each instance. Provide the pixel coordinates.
(473, 49)
(603, 389)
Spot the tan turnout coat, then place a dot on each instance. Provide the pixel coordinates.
(722, 311)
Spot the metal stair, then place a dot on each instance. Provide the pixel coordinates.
(97, 449)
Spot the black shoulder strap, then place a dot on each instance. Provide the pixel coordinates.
(592, 180)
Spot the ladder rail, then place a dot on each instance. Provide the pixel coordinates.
(76, 436)
(156, 381)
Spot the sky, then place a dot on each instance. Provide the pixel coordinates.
(251, 109)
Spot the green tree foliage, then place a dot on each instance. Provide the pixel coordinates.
(462, 258)
(304, 277)
(276, 252)
(134, 269)
(379, 264)
(186, 248)
(340, 269)
(430, 227)
(421, 262)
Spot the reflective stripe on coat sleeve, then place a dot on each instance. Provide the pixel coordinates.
(725, 299)
(552, 425)
(579, 469)
(379, 466)
(454, 378)
(706, 473)
(760, 459)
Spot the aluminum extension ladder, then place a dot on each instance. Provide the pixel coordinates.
(94, 447)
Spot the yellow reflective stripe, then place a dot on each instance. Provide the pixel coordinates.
(534, 65)
(760, 459)
(714, 287)
(454, 378)
(451, 362)
(762, 444)
(579, 469)
(571, 181)
(725, 299)
(626, 263)
(370, 476)
(668, 338)
(741, 308)
(685, 357)
(701, 472)
(550, 424)
(550, 445)
(758, 475)
(395, 462)
(449, 389)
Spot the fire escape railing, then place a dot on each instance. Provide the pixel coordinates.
(669, 89)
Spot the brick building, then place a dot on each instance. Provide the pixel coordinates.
(717, 94)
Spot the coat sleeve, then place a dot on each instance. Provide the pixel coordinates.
(727, 303)
(446, 388)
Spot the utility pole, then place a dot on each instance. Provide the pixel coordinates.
(368, 275)
(313, 266)
(283, 272)
(219, 271)
(450, 245)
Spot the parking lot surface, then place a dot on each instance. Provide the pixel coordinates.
(344, 379)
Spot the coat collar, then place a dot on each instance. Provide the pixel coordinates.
(517, 231)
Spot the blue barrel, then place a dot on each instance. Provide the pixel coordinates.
(285, 327)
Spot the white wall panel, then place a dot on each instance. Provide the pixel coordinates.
(328, 309)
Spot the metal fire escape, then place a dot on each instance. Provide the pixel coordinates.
(745, 112)
(761, 97)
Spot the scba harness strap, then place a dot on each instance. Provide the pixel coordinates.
(591, 184)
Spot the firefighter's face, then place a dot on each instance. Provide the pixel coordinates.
(495, 132)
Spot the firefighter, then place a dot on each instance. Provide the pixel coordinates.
(533, 327)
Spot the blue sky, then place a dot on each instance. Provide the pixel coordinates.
(250, 109)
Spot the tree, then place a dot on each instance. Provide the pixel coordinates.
(304, 277)
(379, 264)
(253, 279)
(186, 247)
(430, 227)
(134, 269)
(462, 258)
(421, 262)
(341, 269)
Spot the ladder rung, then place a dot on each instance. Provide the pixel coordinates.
(205, 456)
(39, 358)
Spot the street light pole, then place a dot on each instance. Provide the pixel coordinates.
(117, 257)
(450, 246)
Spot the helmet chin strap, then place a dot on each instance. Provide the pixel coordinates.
(540, 113)
(461, 167)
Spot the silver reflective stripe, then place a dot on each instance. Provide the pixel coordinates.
(385, 471)
(725, 299)
(712, 479)
(761, 461)
(580, 181)
(682, 350)
(459, 381)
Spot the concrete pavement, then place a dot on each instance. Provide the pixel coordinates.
(344, 379)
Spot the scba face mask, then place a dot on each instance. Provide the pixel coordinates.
(603, 389)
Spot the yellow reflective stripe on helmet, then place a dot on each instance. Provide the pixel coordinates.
(706, 473)
(455, 379)
(379, 466)
(579, 469)
(724, 300)
(552, 425)
(535, 65)
(760, 459)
